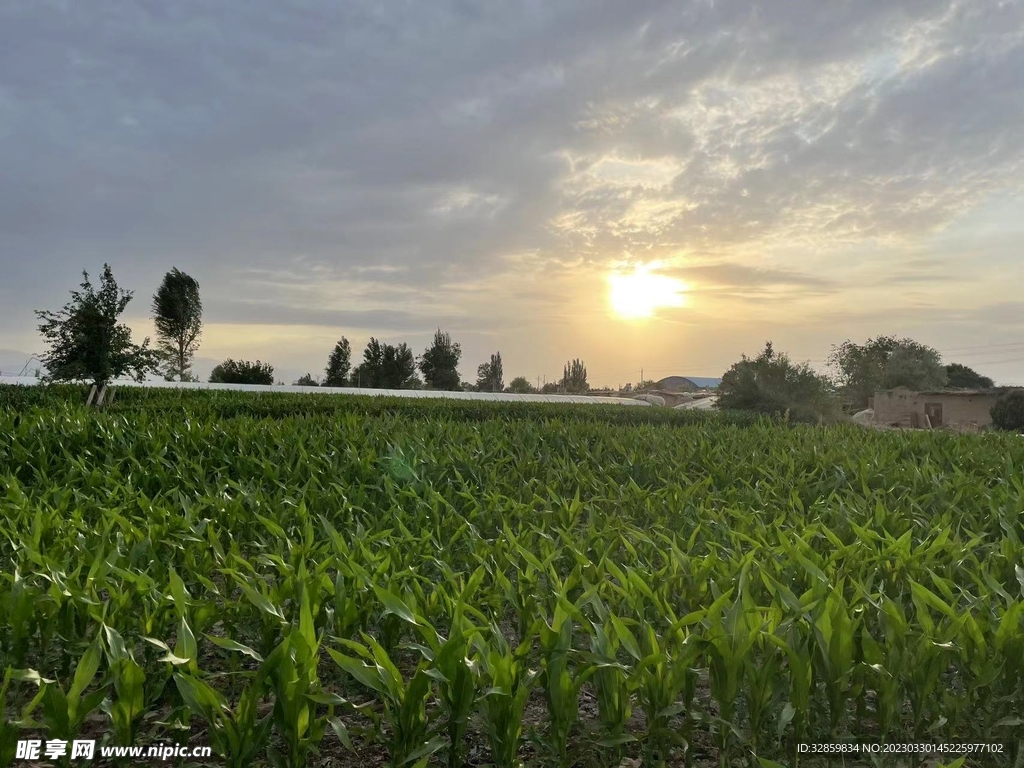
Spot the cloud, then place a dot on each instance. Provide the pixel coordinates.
(392, 161)
(731, 275)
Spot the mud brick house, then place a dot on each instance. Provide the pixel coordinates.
(940, 408)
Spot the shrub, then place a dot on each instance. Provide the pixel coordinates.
(1008, 412)
(242, 372)
(772, 385)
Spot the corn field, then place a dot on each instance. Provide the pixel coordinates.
(297, 581)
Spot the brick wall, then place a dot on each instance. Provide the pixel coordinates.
(907, 409)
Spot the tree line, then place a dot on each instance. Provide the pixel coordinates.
(772, 384)
(86, 341)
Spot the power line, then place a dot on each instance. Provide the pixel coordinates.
(1001, 362)
(986, 346)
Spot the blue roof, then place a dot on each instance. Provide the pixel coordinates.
(701, 382)
(704, 381)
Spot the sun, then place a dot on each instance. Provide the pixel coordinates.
(638, 294)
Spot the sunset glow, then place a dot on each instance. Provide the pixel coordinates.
(638, 294)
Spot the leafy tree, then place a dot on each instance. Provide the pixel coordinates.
(551, 388)
(961, 377)
(338, 365)
(646, 384)
(771, 384)
(178, 316)
(574, 378)
(440, 361)
(1008, 412)
(86, 341)
(489, 375)
(885, 363)
(386, 367)
(520, 385)
(242, 372)
(914, 366)
(306, 381)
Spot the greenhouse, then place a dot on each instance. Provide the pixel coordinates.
(414, 393)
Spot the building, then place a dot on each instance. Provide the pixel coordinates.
(902, 407)
(687, 383)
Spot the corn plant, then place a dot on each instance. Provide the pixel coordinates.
(9, 729)
(561, 687)
(452, 668)
(404, 702)
(455, 674)
(611, 682)
(664, 680)
(62, 713)
(836, 628)
(293, 672)
(237, 733)
(506, 681)
(128, 704)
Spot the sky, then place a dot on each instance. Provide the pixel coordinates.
(655, 185)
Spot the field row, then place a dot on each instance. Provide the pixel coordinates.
(441, 584)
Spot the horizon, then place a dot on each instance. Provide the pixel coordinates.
(655, 186)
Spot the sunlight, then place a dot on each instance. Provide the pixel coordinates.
(639, 293)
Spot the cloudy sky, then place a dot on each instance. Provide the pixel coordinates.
(804, 171)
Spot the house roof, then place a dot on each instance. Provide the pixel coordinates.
(955, 392)
(704, 381)
(701, 382)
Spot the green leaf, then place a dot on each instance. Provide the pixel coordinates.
(231, 645)
(341, 731)
(426, 750)
(261, 601)
(785, 718)
(394, 605)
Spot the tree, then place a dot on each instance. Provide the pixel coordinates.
(885, 363)
(86, 341)
(961, 377)
(306, 381)
(771, 384)
(489, 375)
(178, 316)
(646, 384)
(400, 368)
(1008, 412)
(520, 385)
(551, 388)
(914, 366)
(338, 365)
(242, 372)
(440, 361)
(386, 367)
(574, 378)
